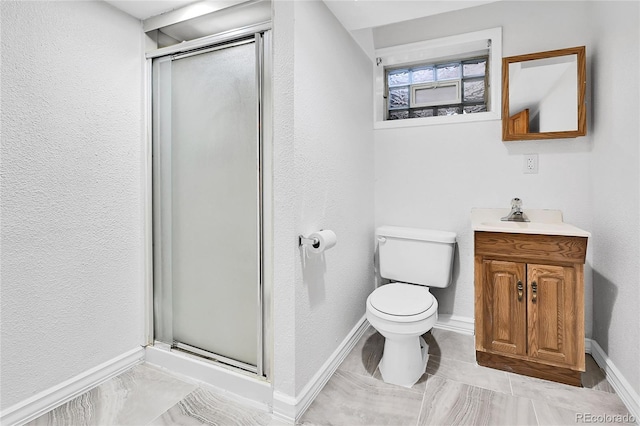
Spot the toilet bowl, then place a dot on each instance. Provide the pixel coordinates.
(402, 313)
(403, 310)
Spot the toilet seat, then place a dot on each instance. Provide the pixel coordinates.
(401, 302)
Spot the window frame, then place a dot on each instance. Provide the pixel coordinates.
(440, 50)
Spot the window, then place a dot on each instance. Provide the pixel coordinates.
(440, 89)
(447, 80)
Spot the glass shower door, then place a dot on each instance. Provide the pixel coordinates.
(207, 245)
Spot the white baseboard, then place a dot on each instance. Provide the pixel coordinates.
(284, 408)
(47, 400)
(623, 388)
(289, 409)
(455, 323)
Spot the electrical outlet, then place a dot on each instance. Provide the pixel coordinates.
(531, 163)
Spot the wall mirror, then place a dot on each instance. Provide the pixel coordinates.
(543, 95)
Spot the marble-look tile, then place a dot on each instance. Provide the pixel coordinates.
(354, 399)
(365, 355)
(565, 396)
(459, 391)
(469, 373)
(594, 377)
(447, 402)
(551, 415)
(135, 397)
(202, 407)
(451, 345)
(278, 422)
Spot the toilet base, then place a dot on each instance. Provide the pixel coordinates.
(404, 360)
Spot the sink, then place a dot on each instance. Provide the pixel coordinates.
(544, 222)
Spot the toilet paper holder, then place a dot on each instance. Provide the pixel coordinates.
(305, 241)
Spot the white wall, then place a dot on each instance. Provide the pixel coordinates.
(334, 161)
(324, 163)
(285, 203)
(557, 109)
(71, 191)
(432, 176)
(71, 176)
(615, 184)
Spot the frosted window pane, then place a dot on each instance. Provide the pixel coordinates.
(398, 77)
(445, 94)
(474, 68)
(449, 110)
(431, 89)
(448, 72)
(399, 97)
(470, 109)
(398, 114)
(427, 112)
(422, 75)
(473, 90)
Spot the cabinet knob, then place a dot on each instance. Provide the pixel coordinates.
(534, 290)
(520, 290)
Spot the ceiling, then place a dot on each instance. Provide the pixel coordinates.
(143, 9)
(358, 14)
(353, 14)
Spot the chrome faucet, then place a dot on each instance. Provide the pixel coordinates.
(516, 214)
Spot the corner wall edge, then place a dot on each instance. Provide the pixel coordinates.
(289, 409)
(623, 388)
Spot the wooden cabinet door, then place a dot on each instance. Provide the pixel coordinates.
(552, 313)
(505, 326)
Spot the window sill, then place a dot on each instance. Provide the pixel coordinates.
(434, 121)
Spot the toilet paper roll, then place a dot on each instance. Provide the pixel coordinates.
(326, 240)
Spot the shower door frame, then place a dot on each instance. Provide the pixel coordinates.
(263, 39)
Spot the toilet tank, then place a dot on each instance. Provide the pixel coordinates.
(417, 256)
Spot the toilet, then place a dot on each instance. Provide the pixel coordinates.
(403, 310)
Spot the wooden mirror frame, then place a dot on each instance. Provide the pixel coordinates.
(521, 119)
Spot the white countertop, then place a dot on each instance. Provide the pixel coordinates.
(545, 222)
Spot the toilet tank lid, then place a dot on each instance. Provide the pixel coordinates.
(417, 234)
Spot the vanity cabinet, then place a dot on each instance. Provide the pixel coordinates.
(529, 300)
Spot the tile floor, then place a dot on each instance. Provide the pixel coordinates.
(148, 395)
(454, 390)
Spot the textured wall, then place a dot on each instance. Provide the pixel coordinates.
(616, 184)
(71, 191)
(285, 177)
(334, 162)
(323, 178)
(432, 176)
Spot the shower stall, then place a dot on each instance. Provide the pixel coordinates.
(210, 112)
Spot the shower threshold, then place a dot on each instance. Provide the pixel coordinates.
(214, 357)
